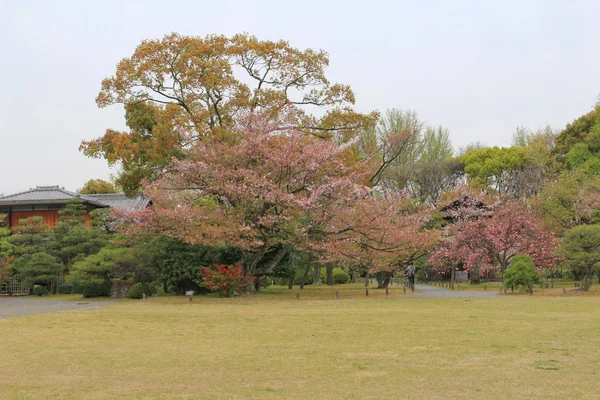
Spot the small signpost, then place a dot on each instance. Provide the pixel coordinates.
(190, 294)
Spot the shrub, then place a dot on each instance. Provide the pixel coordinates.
(65, 289)
(323, 275)
(340, 276)
(95, 289)
(137, 290)
(39, 291)
(225, 279)
(521, 272)
(77, 288)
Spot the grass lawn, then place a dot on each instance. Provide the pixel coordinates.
(556, 290)
(274, 346)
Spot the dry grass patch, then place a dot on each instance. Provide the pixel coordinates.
(273, 346)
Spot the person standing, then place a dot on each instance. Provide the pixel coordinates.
(410, 272)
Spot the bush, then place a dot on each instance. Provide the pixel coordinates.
(77, 288)
(39, 291)
(521, 272)
(137, 290)
(225, 279)
(323, 275)
(65, 289)
(95, 289)
(340, 276)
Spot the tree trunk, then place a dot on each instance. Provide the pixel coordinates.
(586, 282)
(250, 269)
(165, 286)
(257, 283)
(383, 279)
(329, 274)
(317, 275)
(268, 269)
(291, 282)
(305, 275)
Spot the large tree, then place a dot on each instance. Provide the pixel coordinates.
(412, 156)
(577, 131)
(581, 251)
(572, 199)
(180, 90)
(271, 189)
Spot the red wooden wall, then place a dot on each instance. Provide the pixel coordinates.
(50, 217)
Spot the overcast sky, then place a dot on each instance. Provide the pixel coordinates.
(480, 68)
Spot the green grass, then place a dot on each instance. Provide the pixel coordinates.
(274, 346)
(538, 290)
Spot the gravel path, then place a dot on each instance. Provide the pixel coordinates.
(434, 291)
(14, 306)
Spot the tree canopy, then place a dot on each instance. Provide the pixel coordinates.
(183, 89)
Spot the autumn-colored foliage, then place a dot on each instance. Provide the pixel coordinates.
(225, 280)
(183, 89)
(97, 186)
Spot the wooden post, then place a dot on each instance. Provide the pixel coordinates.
(337, 294)
(367, 291)
(404, 289)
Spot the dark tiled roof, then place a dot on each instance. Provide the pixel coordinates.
(54, 194)
(45, 195)
(119, 200)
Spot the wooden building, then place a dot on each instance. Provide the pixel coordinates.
(46, 201)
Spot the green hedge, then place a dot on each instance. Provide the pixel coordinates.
(137, 290)
(39, 291)
(95, 289)
(65, 289)
(340, 276)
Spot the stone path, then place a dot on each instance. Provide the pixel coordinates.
(434, 291)
(15, 306)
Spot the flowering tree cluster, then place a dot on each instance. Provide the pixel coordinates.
(272, 189)
(494, 240)
(275, 188)
(383, 232)
(225, 279)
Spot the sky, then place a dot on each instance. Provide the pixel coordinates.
(480, 68)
